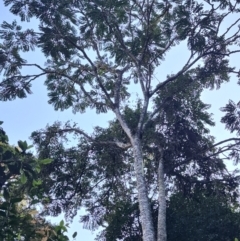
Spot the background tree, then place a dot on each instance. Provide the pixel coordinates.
(129, 40)
(202, 217)
(18, 217)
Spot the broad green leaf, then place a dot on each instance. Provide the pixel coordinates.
(29, 147)
(16, 200)
(46, 161)
(18, 149)
(74, 235)
(61, 223)
(64, 229)
(14, 168)
(37, 182)
(38, 169)
(23, 178)
(23, 145)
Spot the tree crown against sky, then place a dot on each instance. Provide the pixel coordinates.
(97, 51)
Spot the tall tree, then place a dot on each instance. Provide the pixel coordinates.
(97, 50)
(100, 177)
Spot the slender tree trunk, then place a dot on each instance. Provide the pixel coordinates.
(161, 231)
(144, 205)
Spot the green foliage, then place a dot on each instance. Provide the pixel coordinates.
(74, 235)
(18, 185)
(202, 217)
(96, 175)
(195, 217)
(232, 116)
(96, 51)
(68, 29)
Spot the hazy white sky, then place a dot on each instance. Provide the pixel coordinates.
(21, 117)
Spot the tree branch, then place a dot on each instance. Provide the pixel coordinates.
(174, 77)
(188, 179)
(123, 124)
(227, 148)
(94, 67)
(227, 140)
(118, 84)
(91, 139)
(142, 115)
(155, 112)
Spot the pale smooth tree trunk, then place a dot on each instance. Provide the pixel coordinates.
(161, 230)
(144, 205)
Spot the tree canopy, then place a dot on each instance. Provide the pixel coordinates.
(96, 52)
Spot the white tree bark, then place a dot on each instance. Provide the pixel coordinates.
(144, 205)
(161, 231)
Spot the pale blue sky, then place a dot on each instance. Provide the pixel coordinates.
(21, 117)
